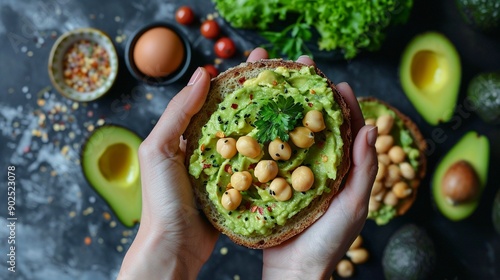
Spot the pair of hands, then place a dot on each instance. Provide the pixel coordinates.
(174, 240)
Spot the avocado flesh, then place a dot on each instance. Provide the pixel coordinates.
(474, 149)
(409, 254)
(111, 165)
(430, 74)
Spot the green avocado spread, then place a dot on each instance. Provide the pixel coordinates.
(259, 212)
(402, 137)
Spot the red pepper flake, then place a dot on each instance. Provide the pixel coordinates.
(257, 217)
(234, 106)
(309, 104)
(248, 205)
(251, 96)
(206, 165)
(239, 216)
(127, 106)
(252, 166)
(261, 211)
(321, 144)
(26, 149)
(312, 91)
(253, 209)
(87, 240)
(242, 80)
(269, 209)
(228, 168)
(275, 83)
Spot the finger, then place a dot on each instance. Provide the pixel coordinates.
(257, 54)
(306, 60)
(363, 171)
(357, 120)
(174, 120)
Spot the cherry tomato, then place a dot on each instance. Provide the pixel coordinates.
(210, 29)
(184, 15)
(211, 70)
(224, 47)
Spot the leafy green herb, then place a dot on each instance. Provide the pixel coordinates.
(348, 26)
(276, 118)
(291, 41)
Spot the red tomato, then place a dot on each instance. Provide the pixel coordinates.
(184, 15)
(224, 47)
(211, 70)
(210, 29)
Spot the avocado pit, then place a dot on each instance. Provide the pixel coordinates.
(460, 183)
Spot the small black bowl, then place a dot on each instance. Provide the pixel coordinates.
(157, 81)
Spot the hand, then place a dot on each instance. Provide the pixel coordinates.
(173, 240)
(314, 253)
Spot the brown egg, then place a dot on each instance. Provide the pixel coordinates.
(158, 52)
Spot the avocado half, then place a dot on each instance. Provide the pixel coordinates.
(111, 165)
(475, 150)
(430, 73)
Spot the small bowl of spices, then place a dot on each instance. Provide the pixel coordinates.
(158, 54)
(83, 64)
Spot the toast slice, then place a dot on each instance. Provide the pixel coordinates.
(420, 144)
(223, 85)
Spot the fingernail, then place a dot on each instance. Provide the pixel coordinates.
(303, 56)
(371, 135)
(196, 76)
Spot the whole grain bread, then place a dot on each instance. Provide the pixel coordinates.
(223, 85)
(421, 145)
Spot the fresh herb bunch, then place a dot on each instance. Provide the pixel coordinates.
(346, 25)
(276, 118)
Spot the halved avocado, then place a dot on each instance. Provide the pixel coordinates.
(430, 73)
(475, 150)
(111, 165)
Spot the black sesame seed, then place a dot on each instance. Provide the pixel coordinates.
(246, 218)
(307, 99)
(230, 213)
(226, 193)
(272, 217)
(303, 192)
(223, 108)
(208, 149)
(265, 218)
(277, 155)
(282, 146)
(225, 141)
(286, 90)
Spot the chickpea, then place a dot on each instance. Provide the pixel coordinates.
(397, 154)
(241, 180)
(280, 150)
(401, 189)
(231, 199)
(384, 143)
(384, 124)
(266, 170)
(302, 178)
(377, 188)
(384, 158)
(380, 196)
(302, 137)
(248, 147)
(358, 256)
(390, 199)
(373, 205)
(393, 174)
(345, 268)
(280, 189)
(226, 147)
(314, 121)
(371, 122)
(357, 243)
(381, 172)
(407, 170)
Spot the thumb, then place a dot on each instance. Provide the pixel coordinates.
(165, 135)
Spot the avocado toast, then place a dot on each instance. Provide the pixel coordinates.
(239, 108)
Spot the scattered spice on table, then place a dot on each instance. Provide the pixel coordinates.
(86, 66)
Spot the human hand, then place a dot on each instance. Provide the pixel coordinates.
(173, 240)
(314, 253)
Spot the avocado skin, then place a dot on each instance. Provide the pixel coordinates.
(409, 254)
(496, 212)
(483, 15)
(484, 94)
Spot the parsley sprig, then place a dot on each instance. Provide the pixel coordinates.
(276, 118)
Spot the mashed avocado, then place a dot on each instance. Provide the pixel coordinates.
(402, 137)
(259, 212)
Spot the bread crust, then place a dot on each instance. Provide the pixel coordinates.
(226, 83)
(421, 145)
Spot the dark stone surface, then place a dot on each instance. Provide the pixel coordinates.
(57, 209)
